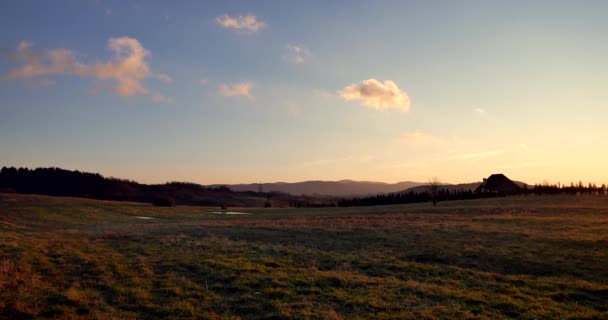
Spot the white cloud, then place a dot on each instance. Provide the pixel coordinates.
(126, 69)
(297, 53)
(377, 95)
(242, 89)
(247, 23)
(479, 155)
(418, 138)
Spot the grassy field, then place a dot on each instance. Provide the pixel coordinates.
(517, 257)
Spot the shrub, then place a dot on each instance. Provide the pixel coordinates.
(7, 190)
(163, 201)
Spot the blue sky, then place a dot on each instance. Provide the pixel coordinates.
(249, 91)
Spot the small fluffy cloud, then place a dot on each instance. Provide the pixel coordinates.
(297, 53)
(248, 23)
(418, 138)
(242, 89)
(377, 95)
(126, 69)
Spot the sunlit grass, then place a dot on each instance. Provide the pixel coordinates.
(522, 257)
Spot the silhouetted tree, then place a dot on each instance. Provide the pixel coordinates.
(434, 185)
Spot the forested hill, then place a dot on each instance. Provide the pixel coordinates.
(60, 182)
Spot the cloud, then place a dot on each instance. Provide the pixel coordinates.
(377, 95)
(418, 138)
(57, 61)
(108, 12)
(203, 82)
(164, 78)
(325, 162)
(412, 165)
(159, 98)
(126, 69)
(297, 53)
(480, 155)
(521, 165)
(322, 93)
(294, 110)
(242, 89)
(480, 111)
(248, 23)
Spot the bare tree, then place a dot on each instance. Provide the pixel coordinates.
(434, 185)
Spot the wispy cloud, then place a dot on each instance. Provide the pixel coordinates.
(203, 82)
(127, 68)
(294, 109)
(480, 111)
(242, 89)
(419, 138)
(323, 162)
(411, 165)
(378, 95)
(477, 156)
(159, 98)
(248, 23)
(296, 53)
(520, 165)
(164, 78)
(322, 93)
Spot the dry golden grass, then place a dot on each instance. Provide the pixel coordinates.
(520, 258)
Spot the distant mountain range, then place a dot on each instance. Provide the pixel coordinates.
(340, 188)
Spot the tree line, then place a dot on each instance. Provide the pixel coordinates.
(66, 183)
(462, 194)
(409, 197)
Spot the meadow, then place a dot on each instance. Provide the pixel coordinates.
(525, 257)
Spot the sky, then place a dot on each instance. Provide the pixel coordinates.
(264, 91)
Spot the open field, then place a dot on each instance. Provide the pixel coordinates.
(515, 257)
